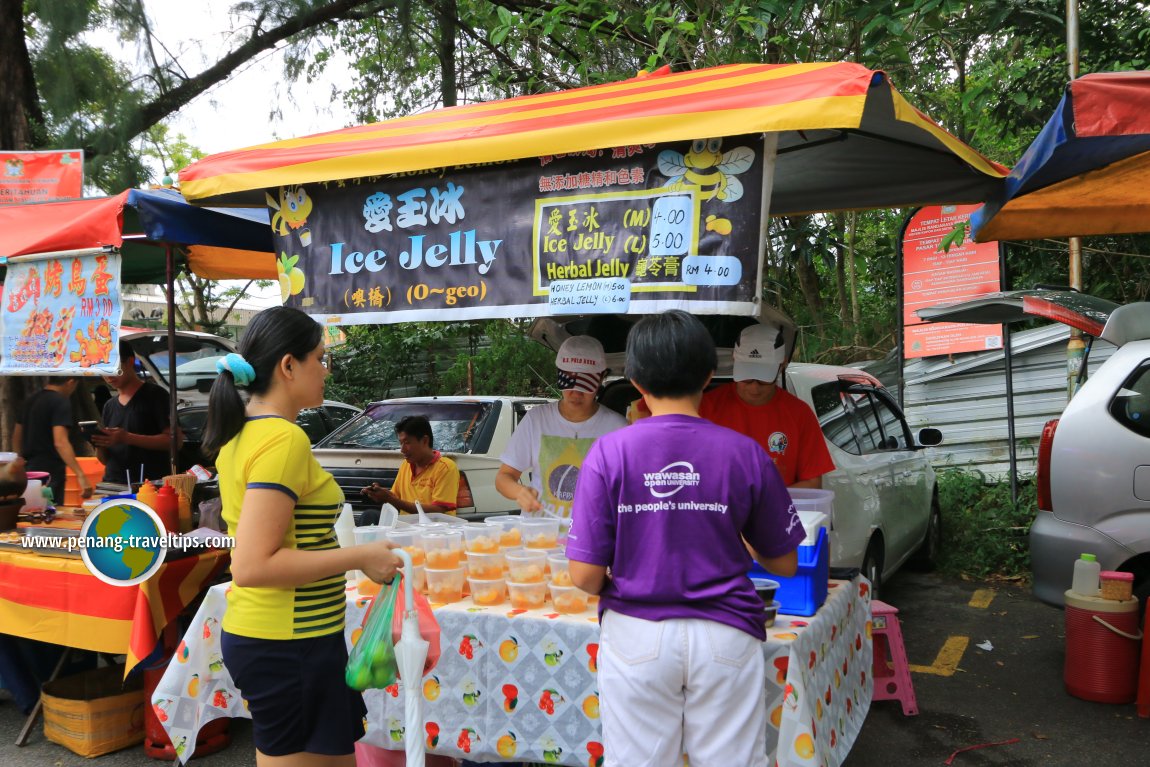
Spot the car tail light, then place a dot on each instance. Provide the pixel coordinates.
(1044, 446)
(464, 500)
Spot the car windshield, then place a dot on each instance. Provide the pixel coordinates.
(455, 426)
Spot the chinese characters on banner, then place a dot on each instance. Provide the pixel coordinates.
(41, 176)
(630, 229)
(61, 316)
(932, 277)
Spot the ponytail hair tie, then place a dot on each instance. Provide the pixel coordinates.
(242, 371)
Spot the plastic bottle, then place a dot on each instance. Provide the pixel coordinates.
(147, 494)
(1086, 576)
(34, 495)
(167, 506)
(185, 505)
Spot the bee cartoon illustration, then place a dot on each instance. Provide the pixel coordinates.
(291, 209)
(707, 168)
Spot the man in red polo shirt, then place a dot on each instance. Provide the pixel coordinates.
(757, 406)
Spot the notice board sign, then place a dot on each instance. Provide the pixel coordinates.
(41, 176)
(635, 229)
(61, 315)
(933, 275)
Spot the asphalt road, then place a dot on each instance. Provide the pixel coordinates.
(967, 696)
(990, 696)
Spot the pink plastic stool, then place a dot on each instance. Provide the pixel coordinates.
(891, 670)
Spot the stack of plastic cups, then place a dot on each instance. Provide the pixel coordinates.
(446, 574)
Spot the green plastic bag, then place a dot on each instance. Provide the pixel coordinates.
(371, 663)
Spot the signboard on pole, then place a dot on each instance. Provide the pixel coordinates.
(933, 274)
(636, 229)
(41, 176)
(61, 315)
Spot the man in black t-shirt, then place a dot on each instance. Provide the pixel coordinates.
(43, 435)
(137, 426)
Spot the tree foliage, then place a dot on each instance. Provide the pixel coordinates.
(990, 72)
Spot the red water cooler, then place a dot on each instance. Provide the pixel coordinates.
(1102, 648)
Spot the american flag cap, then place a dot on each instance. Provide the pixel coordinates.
(588, 382)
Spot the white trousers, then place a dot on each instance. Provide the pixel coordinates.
(682, 686)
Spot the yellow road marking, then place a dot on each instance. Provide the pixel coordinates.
(948, 658)
(982, 598)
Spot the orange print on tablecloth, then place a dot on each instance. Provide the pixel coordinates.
(432, 734)
(593, 655)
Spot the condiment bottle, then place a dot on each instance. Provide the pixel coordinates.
(167, 506)
(147, 494)
(185, 505)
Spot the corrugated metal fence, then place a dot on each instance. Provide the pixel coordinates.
(965, 398)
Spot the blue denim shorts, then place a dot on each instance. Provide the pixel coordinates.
(296, 693)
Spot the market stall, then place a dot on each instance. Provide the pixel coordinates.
(520, 685)
(1086, 171)
(626, 198)
(66, 264)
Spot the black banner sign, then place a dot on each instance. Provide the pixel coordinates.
(636, 229)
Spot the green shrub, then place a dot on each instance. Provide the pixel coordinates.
(984, 531)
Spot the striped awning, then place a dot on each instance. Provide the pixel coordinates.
(216, 244)
(1087, 172)
(848, 139)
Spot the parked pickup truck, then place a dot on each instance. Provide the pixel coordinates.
(472, 431)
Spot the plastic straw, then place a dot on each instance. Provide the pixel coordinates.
(141, 473)
(128, 474)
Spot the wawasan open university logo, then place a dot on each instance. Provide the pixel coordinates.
(124, 542)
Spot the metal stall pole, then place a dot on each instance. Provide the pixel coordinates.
(174, 443)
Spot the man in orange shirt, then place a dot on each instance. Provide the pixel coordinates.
(756, 405)
(425, 476)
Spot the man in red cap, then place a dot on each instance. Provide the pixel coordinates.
(552, 440)
(757, 406)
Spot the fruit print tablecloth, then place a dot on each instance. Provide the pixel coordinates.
(520, 686)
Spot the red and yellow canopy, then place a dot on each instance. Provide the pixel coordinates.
(849, 139)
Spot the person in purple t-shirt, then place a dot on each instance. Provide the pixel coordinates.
(667, 515)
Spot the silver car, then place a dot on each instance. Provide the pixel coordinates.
(1094, 486)
(1094, 461)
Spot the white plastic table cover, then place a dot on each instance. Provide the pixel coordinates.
(515, 685)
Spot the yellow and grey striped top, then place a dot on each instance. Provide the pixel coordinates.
(273, 453)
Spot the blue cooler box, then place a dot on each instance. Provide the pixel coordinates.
(805, 591)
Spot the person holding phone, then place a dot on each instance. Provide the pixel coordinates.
(137, 426)
(43, 435)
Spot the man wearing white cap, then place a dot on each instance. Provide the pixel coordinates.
(552, 440)
(756, 405)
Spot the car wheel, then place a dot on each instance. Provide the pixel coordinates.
(926, 557)
(872, 564)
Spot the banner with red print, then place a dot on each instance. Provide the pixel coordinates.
(61, 315)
